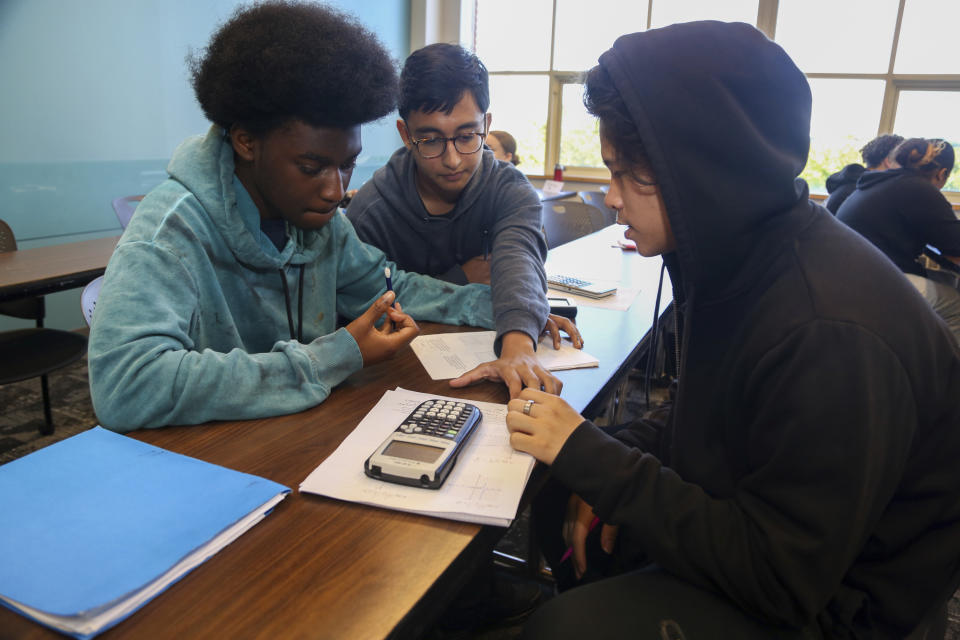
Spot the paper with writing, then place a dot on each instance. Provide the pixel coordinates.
(484, 487)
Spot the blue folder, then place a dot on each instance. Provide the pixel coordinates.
(90, 521)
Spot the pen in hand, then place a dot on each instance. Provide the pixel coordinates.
(569, 551)
(386, 272)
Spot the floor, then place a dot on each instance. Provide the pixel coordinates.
(22, 416)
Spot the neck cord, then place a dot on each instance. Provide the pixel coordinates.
(654, 331)
(286, 299)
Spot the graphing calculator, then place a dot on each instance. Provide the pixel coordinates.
(422, 450)
(580, 287)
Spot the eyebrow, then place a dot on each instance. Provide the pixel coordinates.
(315, 157)
(422, 131)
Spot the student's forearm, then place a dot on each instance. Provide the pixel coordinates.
(142, 385)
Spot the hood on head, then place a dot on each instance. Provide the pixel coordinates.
(724, 115)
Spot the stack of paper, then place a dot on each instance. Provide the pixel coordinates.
(484, 487)
(98, 524)
(450, 355)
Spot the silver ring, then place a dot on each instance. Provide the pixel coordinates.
(527, 406)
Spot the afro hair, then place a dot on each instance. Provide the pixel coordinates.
(278, 61)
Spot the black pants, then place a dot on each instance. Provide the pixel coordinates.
(617, 600)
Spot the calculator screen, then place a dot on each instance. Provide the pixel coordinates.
(411, 451)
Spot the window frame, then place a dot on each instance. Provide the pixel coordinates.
(767, 13)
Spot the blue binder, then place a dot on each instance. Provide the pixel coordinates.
(96, 525)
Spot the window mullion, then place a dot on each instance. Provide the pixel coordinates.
(767, 17)
(891, 92)
(554, 118)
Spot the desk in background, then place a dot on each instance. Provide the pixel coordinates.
(321, 568)
(44, 270)
(544, 197)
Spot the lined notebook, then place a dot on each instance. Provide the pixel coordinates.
(98, 524)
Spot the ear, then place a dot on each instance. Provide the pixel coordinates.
(942, 176)
(489, 119)
(404, 133)
(244, 143)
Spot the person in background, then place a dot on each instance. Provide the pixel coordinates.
(221, 298)
(901, 211)
(877, 155)
(445, 207)
(504, 147)
(805, 484)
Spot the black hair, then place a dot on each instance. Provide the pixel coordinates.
(509, 144)
(435, 78)
(925, 156)
(278, 61)
(603, 101)
(877, 150)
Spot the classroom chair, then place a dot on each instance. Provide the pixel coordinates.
(566, 220)
(88, 298)
(124, 208)
(595, 198)
(31, 353)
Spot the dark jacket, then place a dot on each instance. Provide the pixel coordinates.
(841, 184)
(900, 212)
(497, 213)
(809, 471)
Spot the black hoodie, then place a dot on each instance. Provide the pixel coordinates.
(809, 471)
(841, 184)
(900, 212)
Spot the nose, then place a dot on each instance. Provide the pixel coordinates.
(613, 199)
(333, 187)
(450, 157)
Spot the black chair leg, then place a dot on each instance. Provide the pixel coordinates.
(47, 427)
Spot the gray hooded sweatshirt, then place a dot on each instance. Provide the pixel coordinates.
(497, 213)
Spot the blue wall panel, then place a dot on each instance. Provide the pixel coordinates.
(97, 96)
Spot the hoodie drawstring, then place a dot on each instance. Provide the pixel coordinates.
(652, 348)
(286, 299)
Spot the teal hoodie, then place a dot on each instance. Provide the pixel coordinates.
(192, 325)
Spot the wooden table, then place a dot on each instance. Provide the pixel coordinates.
(320, 568)
(37, 272)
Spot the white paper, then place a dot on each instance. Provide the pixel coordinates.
(551, 187)
(484, 487)
(450, 355)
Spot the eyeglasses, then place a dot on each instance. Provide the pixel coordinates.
(465, 143)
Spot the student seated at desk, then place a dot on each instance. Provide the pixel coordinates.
(221, 299)
(805, 484)
(901, 211)
(877, 155)
(504, 147)
(445, 207)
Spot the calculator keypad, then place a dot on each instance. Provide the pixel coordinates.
(439, 418)
(568, 281)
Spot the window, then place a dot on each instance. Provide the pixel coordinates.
(933, 114)
(874, 66)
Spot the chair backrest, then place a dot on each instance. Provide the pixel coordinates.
(26, 308)
(595, 198)
(566, 220)
(7, 240)
(88, 298)
(124, 208)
